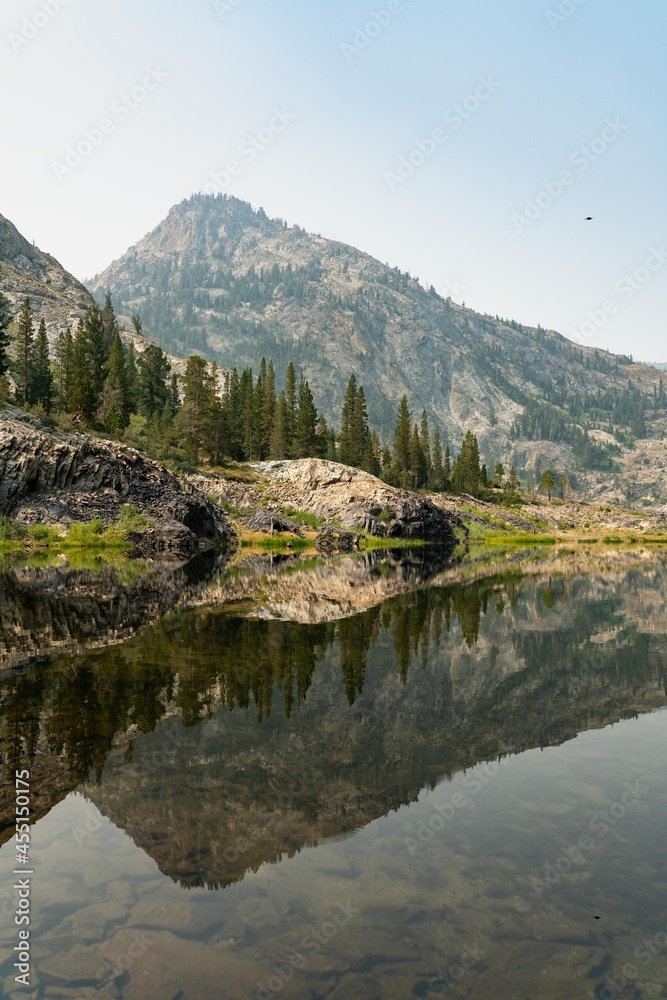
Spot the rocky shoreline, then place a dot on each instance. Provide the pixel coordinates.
(47, 477)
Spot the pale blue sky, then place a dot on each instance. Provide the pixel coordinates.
(553, 81)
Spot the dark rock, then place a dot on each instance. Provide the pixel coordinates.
(54, 478)
(272, 523)
(332, 540)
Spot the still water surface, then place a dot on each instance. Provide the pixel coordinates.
(460, 792)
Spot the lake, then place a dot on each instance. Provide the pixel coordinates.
(371, 779)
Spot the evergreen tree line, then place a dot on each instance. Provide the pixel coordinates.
(93, 375)
(215, 416)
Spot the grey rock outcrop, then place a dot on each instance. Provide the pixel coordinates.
(54, 478)
(359, 501)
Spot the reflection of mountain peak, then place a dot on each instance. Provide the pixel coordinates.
(223, 743)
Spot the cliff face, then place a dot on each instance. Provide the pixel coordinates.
(28, 272)
(53, 478)
(218, 278)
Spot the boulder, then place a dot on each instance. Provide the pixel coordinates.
(53, 478)
(360, 502)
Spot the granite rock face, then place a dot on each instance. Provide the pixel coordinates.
(359, 501)
(53, 478)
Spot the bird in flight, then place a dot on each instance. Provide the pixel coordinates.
(589, 218)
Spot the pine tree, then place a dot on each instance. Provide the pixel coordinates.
(217, 435)
(305, 438)
(424, 437)
(96, 348)
(403, 438)
(258, 412)
(512, 484)
(370, 459)
(23, 354)
(278, 447)
(291, 398)
(132, 376)
(63, 368)
(82, 397)
(41, 375)
(547, 482)
(109, 322)
(436, 453)
(346, 448)
(498, 475)
(193, 418)
(233, 414)
(268, 409)
(466, 473)
(359, 432)
(247, 414)
(114, 409)
(5, 336)
(417, 460)
(174, 393)
(153, 371)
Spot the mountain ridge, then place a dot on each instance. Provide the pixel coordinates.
(220, 278)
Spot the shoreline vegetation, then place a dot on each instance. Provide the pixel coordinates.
(15, 536)
(479, 530)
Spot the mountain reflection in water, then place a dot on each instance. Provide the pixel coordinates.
(220, 743)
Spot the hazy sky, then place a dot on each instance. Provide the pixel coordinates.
(555, 102)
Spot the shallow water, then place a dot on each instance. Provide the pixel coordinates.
(460, 792)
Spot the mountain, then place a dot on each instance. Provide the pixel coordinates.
(55, 295)
(28, 272)
(218, 278)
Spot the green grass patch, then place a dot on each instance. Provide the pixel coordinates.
(520, 539)
(371, 543)
(303, 518)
